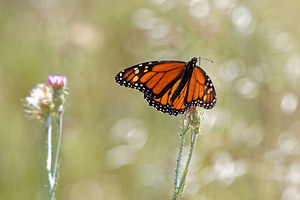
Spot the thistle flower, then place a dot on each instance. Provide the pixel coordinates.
(57, 81)
(193, 116)
(40, 101)
(59, 85)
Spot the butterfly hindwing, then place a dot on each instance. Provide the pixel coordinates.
(201, 91)
(164, 103)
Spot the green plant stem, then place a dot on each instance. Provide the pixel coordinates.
(49, 151)
(178, 161)
(184, 129)
(55, 167)
(194, 135)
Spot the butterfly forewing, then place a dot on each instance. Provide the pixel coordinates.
(151, 78)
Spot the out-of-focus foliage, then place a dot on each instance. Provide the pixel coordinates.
(116, 147)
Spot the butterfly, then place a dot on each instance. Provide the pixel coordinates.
(170, 86)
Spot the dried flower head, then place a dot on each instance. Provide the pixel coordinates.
(57, 81)
(40, 101)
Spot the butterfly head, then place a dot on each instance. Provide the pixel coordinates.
(194, 60)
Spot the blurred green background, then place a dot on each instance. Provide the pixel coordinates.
(115, 146)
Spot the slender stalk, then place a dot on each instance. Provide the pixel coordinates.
(55, 166)
(178, 162)
(49, 150)
(184, 129)
(185, 171)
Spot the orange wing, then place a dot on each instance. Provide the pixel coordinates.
(201, 91)
(164, 103)
(154, 78)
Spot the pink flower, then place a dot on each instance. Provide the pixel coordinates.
(57, 81)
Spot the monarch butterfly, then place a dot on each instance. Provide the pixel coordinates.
(170, 86)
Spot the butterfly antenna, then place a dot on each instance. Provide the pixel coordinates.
(199, 58)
